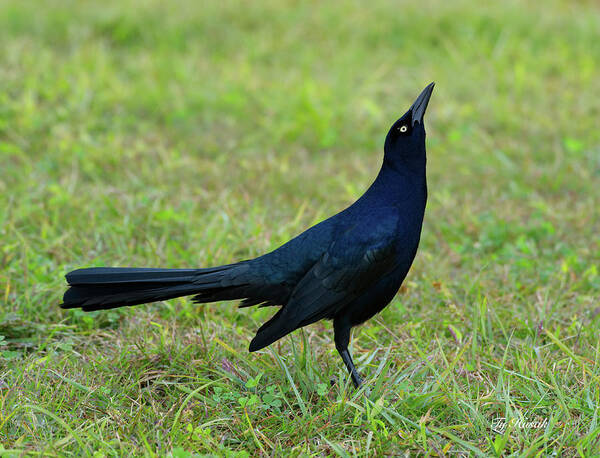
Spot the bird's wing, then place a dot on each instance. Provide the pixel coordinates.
(351, 264)
(271, 278)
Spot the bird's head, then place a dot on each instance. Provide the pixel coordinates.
(406, 138)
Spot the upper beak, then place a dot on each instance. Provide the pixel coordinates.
(418, 108)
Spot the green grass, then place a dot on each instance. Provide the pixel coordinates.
(184, 134)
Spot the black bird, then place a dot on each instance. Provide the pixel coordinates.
(346, 268)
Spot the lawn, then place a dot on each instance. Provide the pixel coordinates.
(187, 134)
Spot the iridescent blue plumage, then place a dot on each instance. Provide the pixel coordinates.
(346, 268)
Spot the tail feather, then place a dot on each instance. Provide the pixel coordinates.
(100, 288)
(113, 275)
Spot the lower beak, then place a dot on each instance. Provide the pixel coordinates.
(418, 108)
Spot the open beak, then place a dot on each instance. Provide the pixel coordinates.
(418, 108)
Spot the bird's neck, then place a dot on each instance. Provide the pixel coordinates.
(400, 182)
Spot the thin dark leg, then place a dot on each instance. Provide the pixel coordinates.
(342, 338)
(356, 378)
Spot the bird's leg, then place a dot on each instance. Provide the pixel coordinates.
(356, 378)
(342, 338)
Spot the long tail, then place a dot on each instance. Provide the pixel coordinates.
(101, 288)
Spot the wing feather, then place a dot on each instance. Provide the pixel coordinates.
(351, 264)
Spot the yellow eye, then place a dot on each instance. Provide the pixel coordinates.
(403, 129)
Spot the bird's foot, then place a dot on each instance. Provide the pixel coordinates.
(357, 380)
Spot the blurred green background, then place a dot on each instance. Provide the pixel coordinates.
(183, 134)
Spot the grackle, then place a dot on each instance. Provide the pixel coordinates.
(346, 268)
